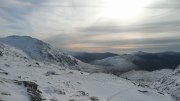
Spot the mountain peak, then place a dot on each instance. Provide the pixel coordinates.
(37, 49)
(41, 51)
(21, 39)
(31, 46)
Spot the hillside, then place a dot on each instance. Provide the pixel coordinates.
(41, 51)
(165, 80)
(23, 78)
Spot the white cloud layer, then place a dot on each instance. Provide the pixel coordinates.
(78, 24)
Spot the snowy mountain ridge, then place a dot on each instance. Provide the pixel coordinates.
(23, 78)
(26, 79)
(34, 48)
(165, 80)
(41, 51)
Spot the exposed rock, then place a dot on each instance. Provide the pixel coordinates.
(59, 91)
(72, 100)
(1, 53)
(70, 72)
(32, 89)
(4, 93)
(53, 100)
(93, 98)
(6, 65)
(143, 91)
(5, 73)
(82, 93)
(51, 73)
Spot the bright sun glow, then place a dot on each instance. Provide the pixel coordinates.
(124, 10)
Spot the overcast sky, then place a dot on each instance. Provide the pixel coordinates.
(96, 25)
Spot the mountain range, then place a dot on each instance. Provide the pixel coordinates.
(139, 61)
(31, 70)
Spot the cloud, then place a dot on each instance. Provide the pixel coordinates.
(166, 26)
(78, 24)
(104, 43)
(166, 4)
(13, 4)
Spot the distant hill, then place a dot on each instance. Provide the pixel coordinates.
(156, 61)
(90, 57)
(139, 61)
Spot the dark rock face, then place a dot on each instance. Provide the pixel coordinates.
(5, 73)
(72, 100)
(1, 49)
(32, 89)
(4, 93)
(93, 98)
(1, 53)
(143, 91)
(66, 59)
(51, 73)
(82, 93)
(58, 91)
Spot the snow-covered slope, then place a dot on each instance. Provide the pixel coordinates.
(41, 51)
(36, 49)
(138, 75)
(164, 81)
(25, 79)
(170, 84)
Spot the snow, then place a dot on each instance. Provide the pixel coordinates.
(67, 84)
(164, 81)
(135, 75)
(29, 45)
(11, 92)
(43, 52)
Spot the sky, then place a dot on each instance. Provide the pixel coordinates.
(119, 26)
